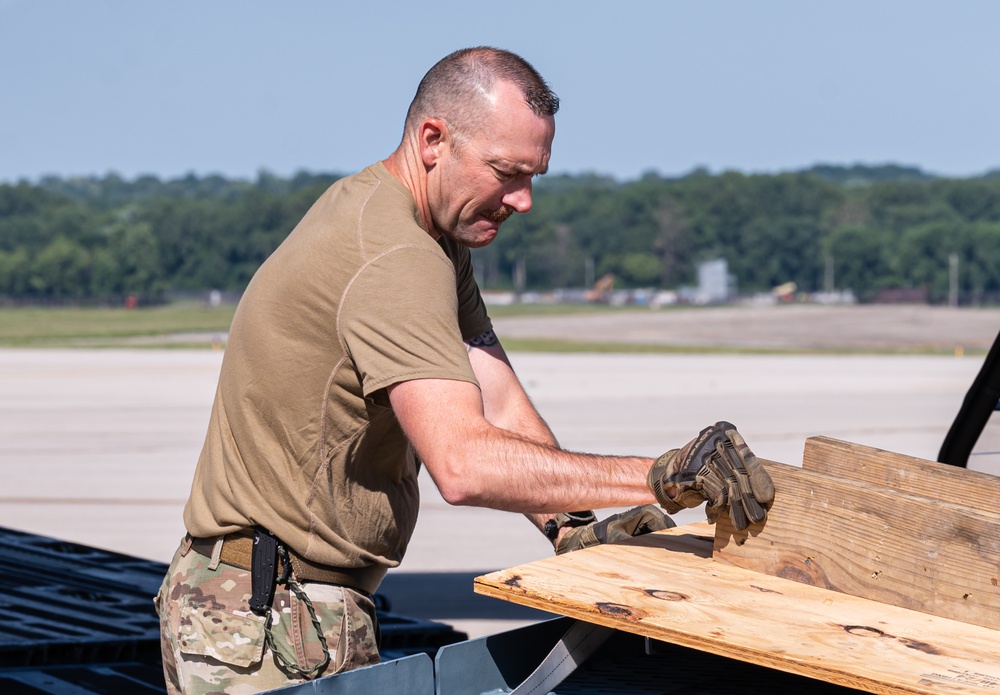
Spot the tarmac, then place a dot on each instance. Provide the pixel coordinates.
(99, 446)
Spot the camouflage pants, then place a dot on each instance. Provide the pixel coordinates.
(213, 643)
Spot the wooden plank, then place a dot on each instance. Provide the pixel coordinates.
(666, 586)
(874, 542)
(908, 474)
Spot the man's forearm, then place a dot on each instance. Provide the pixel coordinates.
(502, 470)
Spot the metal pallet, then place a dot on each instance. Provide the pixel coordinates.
(134, 678)
(65, 603)
(80, 620)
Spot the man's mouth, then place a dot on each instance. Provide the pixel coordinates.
(499, 215)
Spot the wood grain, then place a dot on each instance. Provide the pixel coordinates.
(903, 473)
(666, 586)
(874, 542)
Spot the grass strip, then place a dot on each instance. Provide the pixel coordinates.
(198, 325)
(64, 327)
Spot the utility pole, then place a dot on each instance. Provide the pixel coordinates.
(828, 272)
(953, 279)
(520, 275)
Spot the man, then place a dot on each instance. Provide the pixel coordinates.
(362, 348)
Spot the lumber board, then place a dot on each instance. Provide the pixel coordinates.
(666, 586)
(904, 473)
(874, 542)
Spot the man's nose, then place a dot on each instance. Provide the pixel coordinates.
(519, 196)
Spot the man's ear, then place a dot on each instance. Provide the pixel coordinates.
(433, 136)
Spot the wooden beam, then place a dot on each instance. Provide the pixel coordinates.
(904, 473)
(874, 542)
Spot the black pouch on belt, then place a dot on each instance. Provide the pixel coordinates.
(263, 570)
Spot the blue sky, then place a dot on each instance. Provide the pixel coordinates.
(220, 86)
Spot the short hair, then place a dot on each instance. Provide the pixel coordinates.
(456, 88)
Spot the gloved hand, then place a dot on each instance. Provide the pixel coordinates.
(718, 467)
(617, 527)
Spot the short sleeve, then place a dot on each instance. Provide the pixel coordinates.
(473, 320)
(399, 320)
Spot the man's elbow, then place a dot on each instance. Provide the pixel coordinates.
(459, 496)
(457, 483)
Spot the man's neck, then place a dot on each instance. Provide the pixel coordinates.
(407, 168)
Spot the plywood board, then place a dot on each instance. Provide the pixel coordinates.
(667, 586)
(907, 474)
(874, 542)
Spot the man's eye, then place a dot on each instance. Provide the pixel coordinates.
(503, 175)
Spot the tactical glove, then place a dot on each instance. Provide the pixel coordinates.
(617, 527)
(718, 467)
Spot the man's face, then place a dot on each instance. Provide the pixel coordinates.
(477, 185)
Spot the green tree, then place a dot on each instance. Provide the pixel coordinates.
(922, 256)
(61, 270)
(15, 274)
(859, 257)
(134, 254)
(673, 244)
(637, 269)
(882, 226)
(979, 264)
(772, 252)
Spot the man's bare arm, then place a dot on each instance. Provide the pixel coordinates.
(506, 404)
(475, 462)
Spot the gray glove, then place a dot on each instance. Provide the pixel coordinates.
(718, 467)
(617, 527)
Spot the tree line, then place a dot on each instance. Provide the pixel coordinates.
(867, 229)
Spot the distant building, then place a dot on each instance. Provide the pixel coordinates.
(715, 284)
(713, 280)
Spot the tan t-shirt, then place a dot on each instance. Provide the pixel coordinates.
(301, 438)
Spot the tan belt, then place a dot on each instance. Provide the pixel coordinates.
(237, 548)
